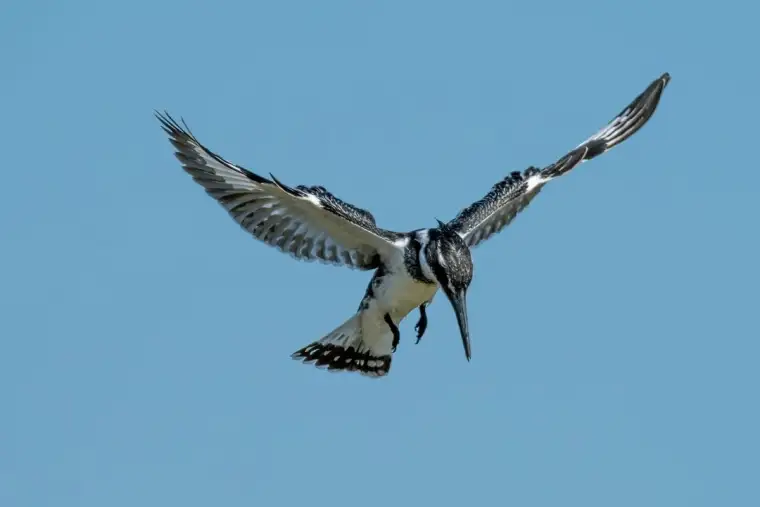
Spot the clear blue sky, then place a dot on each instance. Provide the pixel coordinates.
(145, 338)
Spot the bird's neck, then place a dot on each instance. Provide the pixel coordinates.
(423, 237)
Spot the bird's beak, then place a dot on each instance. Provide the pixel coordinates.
(459, 302)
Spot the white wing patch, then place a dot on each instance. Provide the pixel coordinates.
(533, 182)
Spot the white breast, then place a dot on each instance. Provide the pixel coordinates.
(400, 294)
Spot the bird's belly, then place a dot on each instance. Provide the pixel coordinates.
(401, 294)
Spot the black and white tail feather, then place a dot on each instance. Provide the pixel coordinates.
(345, 350)
(310, 223)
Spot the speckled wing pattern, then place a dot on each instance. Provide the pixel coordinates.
(509, 197)
(307, 222)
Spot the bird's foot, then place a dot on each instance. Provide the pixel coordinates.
(394, 330)
(421, 325)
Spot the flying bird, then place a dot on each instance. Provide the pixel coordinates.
(310, 223)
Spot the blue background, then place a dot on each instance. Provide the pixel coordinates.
(145, 338)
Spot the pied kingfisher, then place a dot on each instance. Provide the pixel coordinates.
(309, 223)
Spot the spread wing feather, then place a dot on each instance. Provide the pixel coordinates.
(514, 193)
(307, 222)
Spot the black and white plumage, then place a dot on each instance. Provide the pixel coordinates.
(306, 222)
(510, 196)
(310, 223)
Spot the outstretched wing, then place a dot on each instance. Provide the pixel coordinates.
(510, 196)
(306, 222)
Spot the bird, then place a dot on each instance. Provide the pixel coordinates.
(310, 223)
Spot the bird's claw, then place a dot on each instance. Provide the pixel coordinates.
(421, 325)
(394, 330)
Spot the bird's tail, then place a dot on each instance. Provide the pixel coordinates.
(344, 349)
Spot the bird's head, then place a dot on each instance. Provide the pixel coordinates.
(450, 262)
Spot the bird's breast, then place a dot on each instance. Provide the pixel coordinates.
(399, 294)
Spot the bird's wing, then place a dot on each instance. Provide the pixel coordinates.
(510, 196)
(306, 222)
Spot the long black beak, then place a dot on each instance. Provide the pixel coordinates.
(459, 302)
